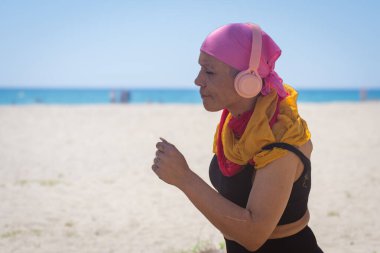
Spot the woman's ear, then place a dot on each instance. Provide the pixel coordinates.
(234, 72)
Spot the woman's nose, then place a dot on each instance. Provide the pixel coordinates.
(198, 81)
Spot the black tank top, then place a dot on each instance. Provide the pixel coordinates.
(238, 187)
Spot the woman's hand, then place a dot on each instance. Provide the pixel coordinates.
(169, 164)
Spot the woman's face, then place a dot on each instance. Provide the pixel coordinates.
(216, 82)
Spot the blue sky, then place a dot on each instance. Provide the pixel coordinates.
(77, 43)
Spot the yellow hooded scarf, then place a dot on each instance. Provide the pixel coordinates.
(289, 128)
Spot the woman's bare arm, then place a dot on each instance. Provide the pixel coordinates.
(250, 226)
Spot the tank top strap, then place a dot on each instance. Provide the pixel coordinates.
(306, 161)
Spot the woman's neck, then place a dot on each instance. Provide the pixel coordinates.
(243, 106)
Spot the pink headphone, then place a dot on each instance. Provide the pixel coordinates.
(248, 83)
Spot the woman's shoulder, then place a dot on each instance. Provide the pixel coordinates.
(307, 148)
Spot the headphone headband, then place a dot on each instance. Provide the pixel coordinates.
(248, 82)
(254, 61)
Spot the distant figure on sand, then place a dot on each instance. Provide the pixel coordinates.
(112, 96)
(363, 94)
(261, 164)
(124, 97)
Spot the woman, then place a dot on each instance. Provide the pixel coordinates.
(261, 167)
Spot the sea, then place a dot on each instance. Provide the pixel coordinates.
(73, 96)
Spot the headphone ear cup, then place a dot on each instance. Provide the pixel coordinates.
(248, 85)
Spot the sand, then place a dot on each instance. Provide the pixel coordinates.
(79, 179)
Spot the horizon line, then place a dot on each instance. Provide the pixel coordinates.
(165, 88)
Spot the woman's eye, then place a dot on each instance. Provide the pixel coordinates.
(209, 73)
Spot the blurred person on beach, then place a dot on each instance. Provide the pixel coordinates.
(261, 165)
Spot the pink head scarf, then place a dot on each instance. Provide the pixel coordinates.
(232, 45)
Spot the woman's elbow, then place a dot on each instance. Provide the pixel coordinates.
(253, 245)
(255, 236)
(253, 240)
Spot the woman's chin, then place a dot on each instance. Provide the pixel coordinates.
(210, 108)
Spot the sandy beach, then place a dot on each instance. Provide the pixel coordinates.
(79, 179)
